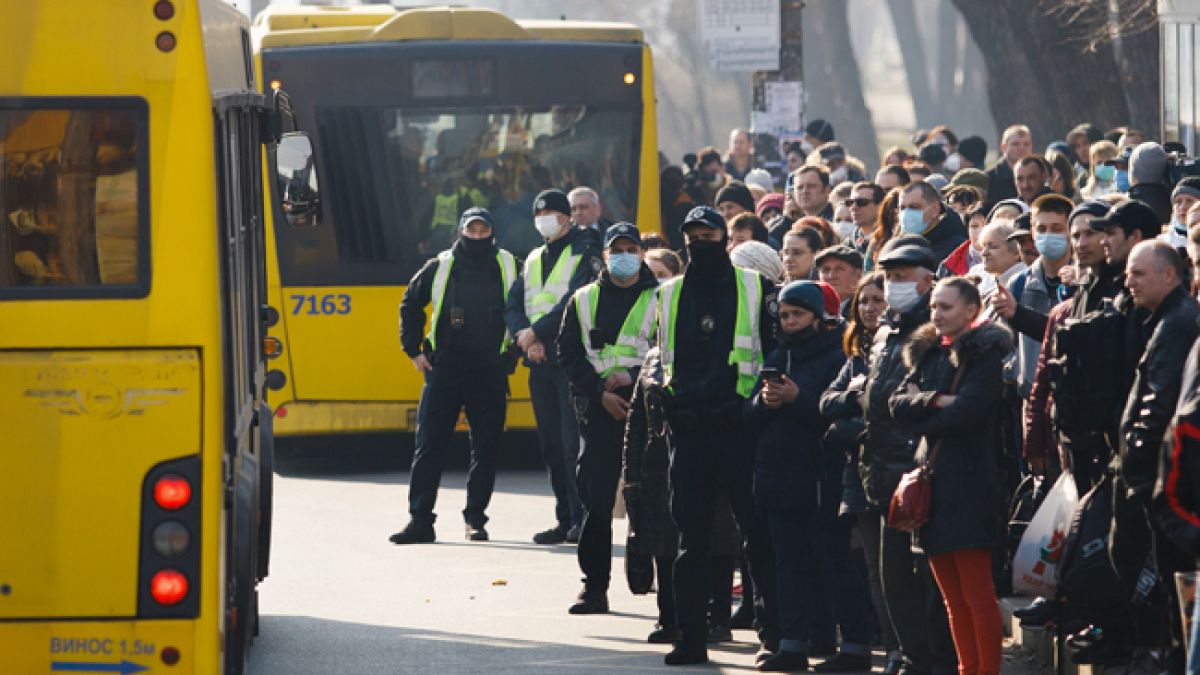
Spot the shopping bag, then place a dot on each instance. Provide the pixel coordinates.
(1041, 546)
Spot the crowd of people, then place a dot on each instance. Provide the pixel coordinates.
(759, 382)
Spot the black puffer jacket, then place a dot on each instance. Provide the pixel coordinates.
(886, 451)
(646, 465)
(1155, 392)
(967, 505)
(839, 405)
(792, 469)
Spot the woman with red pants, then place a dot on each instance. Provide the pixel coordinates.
(950, 398)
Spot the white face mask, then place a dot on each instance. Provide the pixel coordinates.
(901, 295)
(844, 228)
(953, 163)
(838, 175)
(547, 225)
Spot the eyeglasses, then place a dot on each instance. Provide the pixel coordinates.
(860, 202)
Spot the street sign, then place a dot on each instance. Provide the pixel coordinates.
(740, 35)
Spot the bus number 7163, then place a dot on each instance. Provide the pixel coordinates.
(323, 304)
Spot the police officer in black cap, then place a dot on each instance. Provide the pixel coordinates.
(716, 322)
(606, 331)
(553, 272)
(465, 360)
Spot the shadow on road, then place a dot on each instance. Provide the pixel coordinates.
(372, 457)
(326, 646)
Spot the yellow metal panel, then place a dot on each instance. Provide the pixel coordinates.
(314, 418)
(583, 31)
(649, 202)
(81, 431)
(283, 18)
(34, 647)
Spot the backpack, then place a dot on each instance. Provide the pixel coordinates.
(1176, 499)
(1024, 503)
(1107, 562)
(1087, 387)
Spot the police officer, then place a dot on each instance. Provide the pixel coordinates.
(465, 363)
(715, 324)
(553, 271)
(606, 331)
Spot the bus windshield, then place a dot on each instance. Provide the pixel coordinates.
(71, 197)
(395, 179)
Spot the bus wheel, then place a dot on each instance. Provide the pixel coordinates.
(241, 589)
(266, 488)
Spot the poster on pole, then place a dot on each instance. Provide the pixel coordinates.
(740, 35)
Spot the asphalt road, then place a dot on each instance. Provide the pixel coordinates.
(341, 598)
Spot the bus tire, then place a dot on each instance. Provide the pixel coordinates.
(243, 579)
(266, 488)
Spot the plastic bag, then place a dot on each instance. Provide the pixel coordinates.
(1041, 546)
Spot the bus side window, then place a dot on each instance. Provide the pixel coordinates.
(297, 174)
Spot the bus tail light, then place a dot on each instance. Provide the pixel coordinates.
(163, 10)
(165, 41)
(272, 347)
(169, 587)
(169, 574)
(630, 78)
(172, 492)
(171, 539)
(281, 412)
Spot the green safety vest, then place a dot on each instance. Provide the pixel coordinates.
(746, 352)
(541, 297)
(508, 274)
(632, 342)
(445, 211)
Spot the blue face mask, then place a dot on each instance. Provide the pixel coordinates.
(1052, 246)
(1105, 172)
(1123, 180)
(623, 265)
(912, 221)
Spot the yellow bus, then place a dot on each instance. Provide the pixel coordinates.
(415, 115)
(135, 445)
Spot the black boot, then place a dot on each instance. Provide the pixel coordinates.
(785, 661)
(414, 533)
(590, 602)
(686, 653)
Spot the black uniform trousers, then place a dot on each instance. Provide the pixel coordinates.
(455, 382)
(599, 473)
(705, 460)
(915, 604)
(558, 438)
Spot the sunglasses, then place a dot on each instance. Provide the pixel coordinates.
(858, 202)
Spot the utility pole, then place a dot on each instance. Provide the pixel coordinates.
(791, 53)
(791, 65)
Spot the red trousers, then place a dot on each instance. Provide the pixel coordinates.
(965, 578)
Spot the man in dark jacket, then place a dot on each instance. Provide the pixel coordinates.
(605, 335)
(1153, 275)
(799, 485)
(553, 272)
(922, 213)
(465, 363)
(715, 324)
(1016, 143)
(912, 597)
(1147, 175)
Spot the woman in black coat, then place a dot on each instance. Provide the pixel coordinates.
(840, 404)
(798, 483)
(950, 398)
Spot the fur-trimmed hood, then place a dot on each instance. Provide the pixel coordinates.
(968, 347)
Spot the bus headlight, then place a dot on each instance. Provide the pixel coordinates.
(171, 539)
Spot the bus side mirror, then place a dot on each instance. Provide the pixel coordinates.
(296, 172)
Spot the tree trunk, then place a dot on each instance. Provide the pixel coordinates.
(1139, 68)
(947, 66)
(912, 49)
(1038, 78)
(832, 62)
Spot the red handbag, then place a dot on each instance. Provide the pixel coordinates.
(911, 502)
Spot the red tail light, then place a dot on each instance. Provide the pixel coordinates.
(172, 492)
(169, 587)
(163, 10)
